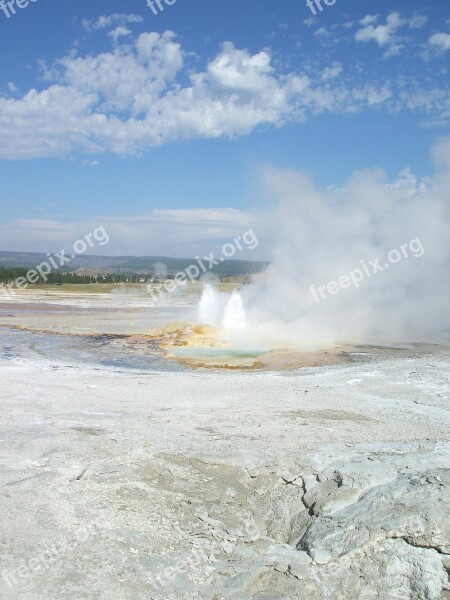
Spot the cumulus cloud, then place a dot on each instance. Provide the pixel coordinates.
(144, 93)
(119, 32)
(440, 42)
(332, 72)
(386, 35)
(382, 34)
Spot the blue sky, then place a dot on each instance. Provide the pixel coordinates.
(111, 114)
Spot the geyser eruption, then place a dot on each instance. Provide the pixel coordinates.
(222, 310)
(234, 320)
(209, 307)
(368, 263)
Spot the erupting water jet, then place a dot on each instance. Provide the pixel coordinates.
(222, 310)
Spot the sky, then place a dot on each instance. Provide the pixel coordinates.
(160, 127)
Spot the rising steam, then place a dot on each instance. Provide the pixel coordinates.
(320, 236)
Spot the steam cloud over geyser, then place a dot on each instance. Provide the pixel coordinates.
(390, 242)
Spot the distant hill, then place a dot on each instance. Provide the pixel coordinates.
(132, 264)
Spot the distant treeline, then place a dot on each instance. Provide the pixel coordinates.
(10, 274)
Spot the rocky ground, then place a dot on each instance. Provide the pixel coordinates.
(323, 483)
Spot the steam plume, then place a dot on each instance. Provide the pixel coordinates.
(321, 236)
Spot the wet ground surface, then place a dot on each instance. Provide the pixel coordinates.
(77, 350)
(119, 328)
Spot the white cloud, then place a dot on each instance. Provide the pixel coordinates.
(441, 155)
(440, 42)
(369, 19)
(106, 21)
(383, 35)
(418, 21)
(386, 35)
(393, 50)
(119, 32)
(322, 32)
(332, 72)
(142, 94)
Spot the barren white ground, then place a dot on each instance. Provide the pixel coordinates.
(328, 482)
